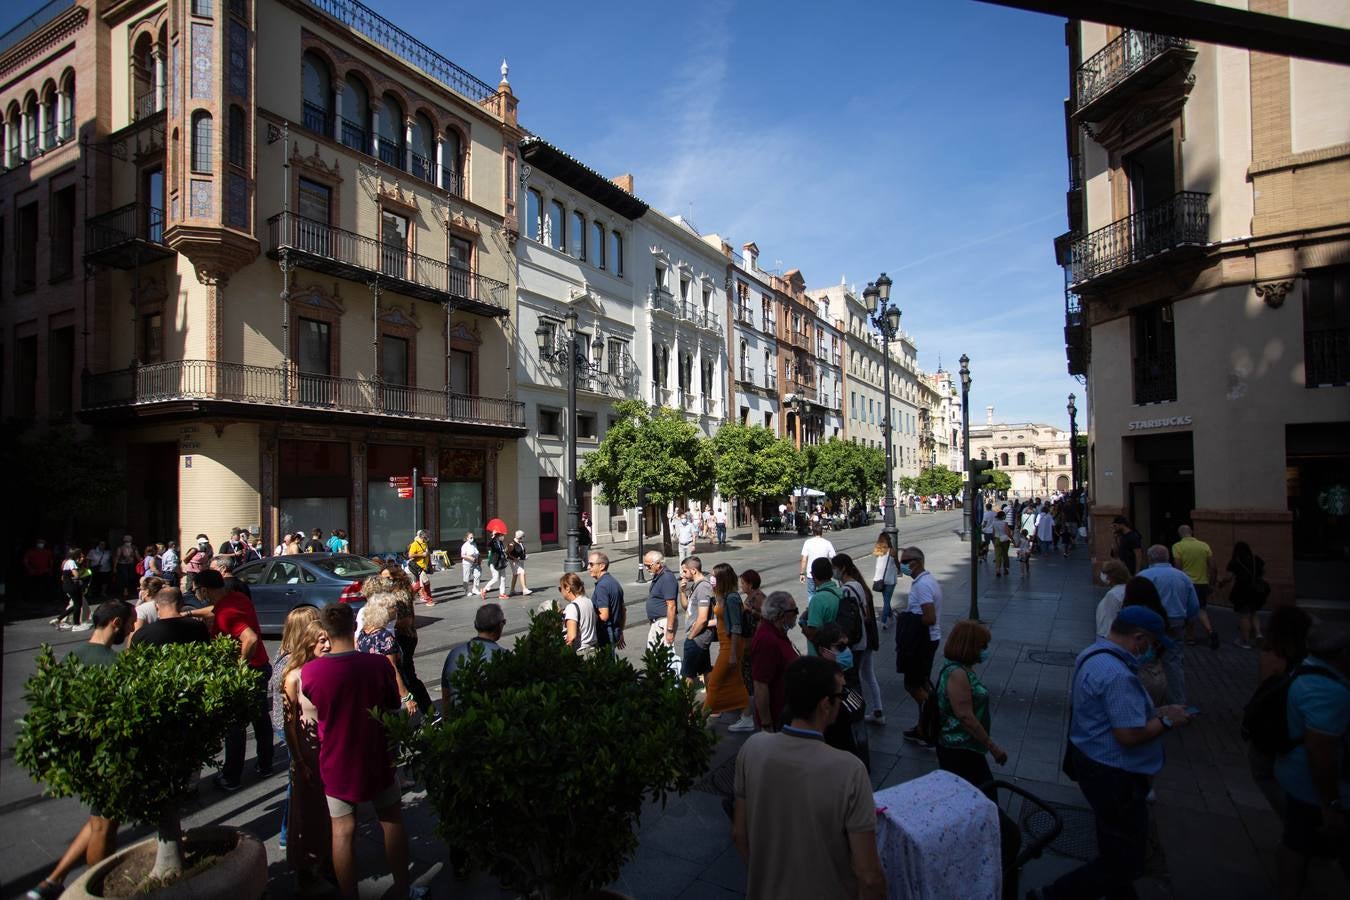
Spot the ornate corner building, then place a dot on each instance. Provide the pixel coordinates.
(264, 248)
(1207, 293)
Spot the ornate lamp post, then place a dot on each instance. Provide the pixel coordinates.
(1073, 445)
(886, 318)
(567, 350)
(968, 522)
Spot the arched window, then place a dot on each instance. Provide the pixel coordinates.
(452, 163)
(616, 253)
(202, 134)
(237, 134)
(534, 215)
(68, 119)
(422, 153)
(49, 115)
(355, 125)
(1021, 459)
(316, 85)
(1003, 459)
(389, 131)
(597, 245)
(15, 120)
(30, 133)
(576, 236)
(553, 227)
(143, 99)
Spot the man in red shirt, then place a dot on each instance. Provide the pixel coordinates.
(771, 652)
(354, 761)
(234, 615)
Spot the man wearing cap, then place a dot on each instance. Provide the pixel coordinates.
(1113, 750)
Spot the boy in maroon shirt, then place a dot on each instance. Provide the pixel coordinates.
(354, 761)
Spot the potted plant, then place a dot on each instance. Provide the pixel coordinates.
(540, 767)
(129, 740)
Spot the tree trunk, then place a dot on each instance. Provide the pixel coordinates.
(666, 547)
(168, 845)
(754, 522)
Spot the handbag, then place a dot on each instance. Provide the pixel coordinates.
(852, 702)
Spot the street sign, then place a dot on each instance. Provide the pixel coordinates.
(430, 480)
(405, 493)
(400, 481)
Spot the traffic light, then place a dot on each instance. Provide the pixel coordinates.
(979, 477)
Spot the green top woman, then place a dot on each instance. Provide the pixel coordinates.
(963, 707)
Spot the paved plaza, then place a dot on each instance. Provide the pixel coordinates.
(1215, 832)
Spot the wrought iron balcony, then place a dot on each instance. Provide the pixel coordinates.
(145, 105)
(662, 396)
(1135, 59)
(771, 381)
(353, 134)
(335, 251)
(318, 120)
(1182, 223)
(1326, 356)
(766, 323)
(274, 391)
(744, 315)
(661, 300)
(390, 153)
(126, 237)
(747, 375)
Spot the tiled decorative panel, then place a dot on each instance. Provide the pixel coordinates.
(201, 60)
(201, 199)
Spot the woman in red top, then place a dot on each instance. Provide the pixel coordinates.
(770, 654)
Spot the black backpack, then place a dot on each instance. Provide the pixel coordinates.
(1265, 718)
(850, 617)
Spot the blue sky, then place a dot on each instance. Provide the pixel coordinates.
(920, 137)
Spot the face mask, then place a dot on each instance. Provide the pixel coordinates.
(1147, 656)
(984, 655)
(844, 658)
(789, 625)
(904, 569)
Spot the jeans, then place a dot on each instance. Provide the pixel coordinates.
(887, 591)
(1174, 662)
(867, 677)
(1119, 802)
(237, 736)
(721, 534)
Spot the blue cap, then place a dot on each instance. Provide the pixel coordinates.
(1143, 617)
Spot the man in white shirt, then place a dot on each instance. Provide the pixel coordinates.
(720, 521)
(917, 638)
(987, 529)
(813, 548)
(687, 535)
(470, 570)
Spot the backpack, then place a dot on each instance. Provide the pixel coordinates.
(140, 566)
(930, 717)
(1265, 718)
(850, 616)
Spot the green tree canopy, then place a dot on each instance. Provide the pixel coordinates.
(845, 470)
(939, 480)
(752, 464)
(1002, 480)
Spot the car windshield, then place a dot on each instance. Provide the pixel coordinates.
(345, 566)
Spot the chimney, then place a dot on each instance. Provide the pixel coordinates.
(989, 415)
(749, 256)
(625, 181)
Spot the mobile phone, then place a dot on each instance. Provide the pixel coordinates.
(1192, 711)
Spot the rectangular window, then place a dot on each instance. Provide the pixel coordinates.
(25, 377)
(62, 226)
(1155, 369)
(553, 227)
(597, 245)
(25, 248)
(1326, 327)
(152, 338)
(61, 372)
(238, 37)
(534, 215)
(393, 244)
(238, 137)
(461, 372)
(576, 237)
(586, 426)
(616, 253)
(201, 7)
(550, 422)
(616, 361)
(315, 356)
(394, 360)
(315, 201)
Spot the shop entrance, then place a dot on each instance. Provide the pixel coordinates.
(548, 511)
(1162, 502)
(1318, 489)
(152, 514)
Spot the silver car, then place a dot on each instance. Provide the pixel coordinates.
(281, 583)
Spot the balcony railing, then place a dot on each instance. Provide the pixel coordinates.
(145, 106)
(662, 396)
(1130, 53)
(766, 323)
(126, 237)
(319, 120)
(353, 134)
(771, 381)
(199, 380)
(662, 300)
(744, 315)
(390, 152)
(336, 251)
(1326, 356)
(1182, 221)
(747, 375)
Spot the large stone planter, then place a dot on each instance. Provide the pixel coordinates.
(239, 874)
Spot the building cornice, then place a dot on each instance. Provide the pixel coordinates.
(43, 39)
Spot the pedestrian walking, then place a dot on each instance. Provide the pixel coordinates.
(885, 570)
(726, 691)
(516, 555)
(917, 634)
(696, 660)
(663, 595)
(1177, 594)
(1045, 529)
(607, 596)
(1196, 560)
(579, 621)
(585, 533)
(822, 606)
(720, 524)
(987, 531)
(100, 563)
(354, 762)
(1114, 749)
(771, 652)
(813, 548)
(1001, 533)
(752, 605)
(1128, 544)
(306, 830)
(497, 563)
(1025, 547)
(687, 535)
(75, 577)
(419, 564)
(805, 821)
(864, 651)
(1248, 590)
(470, 565)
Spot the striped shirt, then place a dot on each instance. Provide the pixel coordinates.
(1106, 695)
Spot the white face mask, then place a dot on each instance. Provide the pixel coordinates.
(1103, 577)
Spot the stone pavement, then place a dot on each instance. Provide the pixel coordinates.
(1215, 830)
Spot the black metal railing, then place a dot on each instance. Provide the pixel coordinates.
(207, 380)
(68, 127)
(1181, 221)
(1326, 356)
(1155, 378)
(353, 134)
(318, 119)
(341, 250)
(1110, 66)
(135, 221)
(365, 21)
(747, 374)
(390, 152)
(422, 168)
(771, 381)
(145, 105)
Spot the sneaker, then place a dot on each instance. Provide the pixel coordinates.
(56, 621)
(228, 787)
(1239, 642)
(527, 592)
(885, 626)
(265, 772)
(85, 627)
(744, 723)
(876, 718)
(45, 891)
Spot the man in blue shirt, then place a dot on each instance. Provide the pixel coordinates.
(1113, 749)
(662, 600)
(607, 596)
(1314, 774)
(1177, 592)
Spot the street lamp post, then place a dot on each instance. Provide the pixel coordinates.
(578, 364)
(1073, 445)
(972, 493)
(886, 318)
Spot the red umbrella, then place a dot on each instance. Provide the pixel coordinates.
(496, 525)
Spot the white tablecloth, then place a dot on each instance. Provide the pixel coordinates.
(938, 838)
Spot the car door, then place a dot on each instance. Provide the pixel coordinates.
(275, 592)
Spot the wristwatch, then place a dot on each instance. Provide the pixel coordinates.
(1166, 723)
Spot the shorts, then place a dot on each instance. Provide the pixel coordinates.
(1202, 594)
(917, 667)
(696, 661)
(1303, 832)
(390, 796)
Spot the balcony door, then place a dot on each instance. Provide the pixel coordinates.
(461, 372)
(153, 224)
(1151, 172)
(394, 365)
(393, 245)
(314, 360)
(461, 262)
(315, 202)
